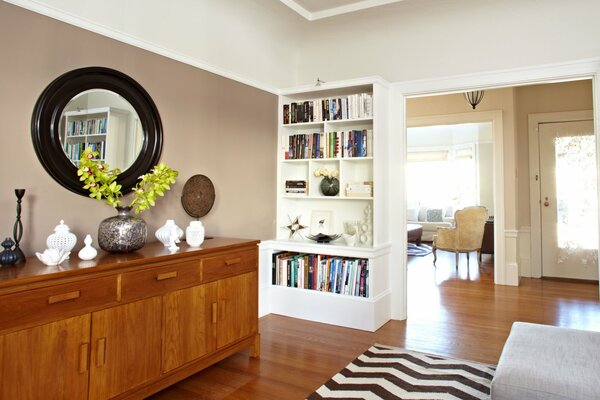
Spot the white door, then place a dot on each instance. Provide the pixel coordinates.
(569, 211)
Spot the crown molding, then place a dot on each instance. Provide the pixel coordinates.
(91, 26)
(332, 12)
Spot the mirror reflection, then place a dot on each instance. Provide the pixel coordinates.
(104, 121)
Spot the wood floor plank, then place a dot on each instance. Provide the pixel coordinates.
(454, 312)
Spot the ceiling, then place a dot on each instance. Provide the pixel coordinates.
(319, 9)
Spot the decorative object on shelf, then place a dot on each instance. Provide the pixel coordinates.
(194, 234)
(198, 196)
(174, 238)
(323, 238)
(62, 238)
(163, 234)
(122, 233)
(319, 82)
(474, 97)
(365, 228)
(350, 239)
(53, 256)
(351, 235)
(8, 255)
(18, 228)
(295, 227)
(321, 221)
(88, 252)
(330, 185)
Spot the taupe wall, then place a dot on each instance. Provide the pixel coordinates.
(212, 126)
(516, 104)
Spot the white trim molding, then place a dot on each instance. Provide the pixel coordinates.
(332, 12)
(524, 251)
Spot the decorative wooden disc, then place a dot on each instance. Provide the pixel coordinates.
(198, 196)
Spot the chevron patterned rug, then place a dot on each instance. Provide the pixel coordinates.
(384, 372)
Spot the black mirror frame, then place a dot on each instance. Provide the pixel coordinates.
(48, 111)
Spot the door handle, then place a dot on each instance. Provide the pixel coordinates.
(546, 203)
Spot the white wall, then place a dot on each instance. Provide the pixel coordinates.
(266, 44)
(251, 41)
(421, 39)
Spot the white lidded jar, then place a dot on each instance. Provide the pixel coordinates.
(194, 234)
(164, 232)
(62, 238)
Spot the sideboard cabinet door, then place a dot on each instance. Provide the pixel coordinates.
(238, 308)
(46, 362)
(126, 347)
(189, 324)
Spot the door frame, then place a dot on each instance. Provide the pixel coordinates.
(534, 120)
(401, 91)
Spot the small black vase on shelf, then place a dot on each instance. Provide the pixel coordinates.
(8, 255)
(18, 228)
(330, 186)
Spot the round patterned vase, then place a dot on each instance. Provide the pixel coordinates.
(123, 233)
(330, 186)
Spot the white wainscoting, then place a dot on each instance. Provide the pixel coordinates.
(511, 276)
(524, 251)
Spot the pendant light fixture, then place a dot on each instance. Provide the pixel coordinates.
(474, 97)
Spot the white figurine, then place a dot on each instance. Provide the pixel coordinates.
(173, 239)
(53, 256)
(164, 232)
(88, 252)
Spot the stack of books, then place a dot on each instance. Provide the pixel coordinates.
(359, 189)
(296, 188)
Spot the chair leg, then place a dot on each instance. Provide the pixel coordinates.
(456, 258)
(434, 256)
(467, 258)
(479, 256)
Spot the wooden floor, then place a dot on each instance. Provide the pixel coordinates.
(455, 312)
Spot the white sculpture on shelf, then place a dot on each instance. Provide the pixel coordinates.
(53, 256)
(88, 252)
(174, 239)
(62, 238)
(164, 232)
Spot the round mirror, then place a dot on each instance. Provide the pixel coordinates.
(105, 122)
(99, 108)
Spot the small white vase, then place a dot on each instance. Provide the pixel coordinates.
(163, 234)
(194, 234)
(62, 238)
(88, 252)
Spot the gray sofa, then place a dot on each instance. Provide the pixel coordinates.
(541, 362)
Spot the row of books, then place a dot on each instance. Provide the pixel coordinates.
(86, 127)
(350, 107)
(343, 275)
(75, 150)
(354, 143)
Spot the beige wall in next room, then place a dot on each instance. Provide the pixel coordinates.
(212, 126)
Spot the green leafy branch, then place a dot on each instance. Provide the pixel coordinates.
(102, 182)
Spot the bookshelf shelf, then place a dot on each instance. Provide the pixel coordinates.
(343, 121)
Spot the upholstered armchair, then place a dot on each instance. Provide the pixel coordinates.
(465, 237)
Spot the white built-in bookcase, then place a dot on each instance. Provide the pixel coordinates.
(367, 313)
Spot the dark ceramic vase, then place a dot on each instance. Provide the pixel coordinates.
(330, 186)
(123, 233)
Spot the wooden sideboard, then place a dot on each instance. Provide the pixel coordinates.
(125, 326)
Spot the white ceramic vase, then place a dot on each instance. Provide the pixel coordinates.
(62, 238)
(88, 252)
(194, 234)
(163, 234)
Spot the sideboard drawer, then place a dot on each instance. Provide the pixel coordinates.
(230, 264)
(159, 280)
(56, 302)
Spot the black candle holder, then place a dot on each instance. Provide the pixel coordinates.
(18, 228)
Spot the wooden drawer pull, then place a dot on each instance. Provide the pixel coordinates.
(64, 297)
(100, 352)
(233, 261)
(84, 350)
(166, 275)
(214, 313)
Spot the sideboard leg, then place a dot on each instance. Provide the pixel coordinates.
(255, 348)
